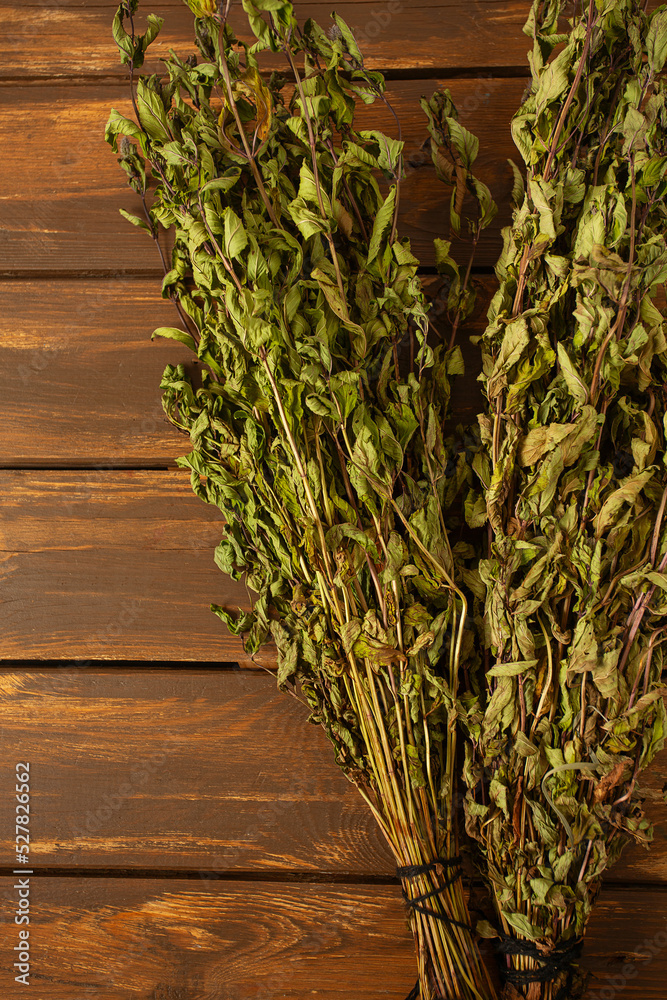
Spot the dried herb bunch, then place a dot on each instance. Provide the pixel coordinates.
(573, 594)
(316, 428)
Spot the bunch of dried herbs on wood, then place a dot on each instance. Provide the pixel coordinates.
(324, 455)
(572, 596)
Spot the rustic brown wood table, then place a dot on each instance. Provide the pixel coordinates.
(191, 837)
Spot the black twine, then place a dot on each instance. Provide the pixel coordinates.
(562, 959)
(415, 903)
(412, 871)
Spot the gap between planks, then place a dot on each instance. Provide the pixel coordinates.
(285, 876)
(443, 73)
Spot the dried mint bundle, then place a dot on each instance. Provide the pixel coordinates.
(317, 426)
(567, 708)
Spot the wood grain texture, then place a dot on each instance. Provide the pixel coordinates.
(69, 38)
(199, 770)
(209, 773)
(165, 939)
(60, 207)
(170, 940)
(80, 377)
(111, 565)
(177, 769)
(72, 38)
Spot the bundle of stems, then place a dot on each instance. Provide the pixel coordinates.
(316, 428)
(567, 706)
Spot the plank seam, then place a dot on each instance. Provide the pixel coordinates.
(283, 877)
(41, 666)
(105, 274)
(391, 74)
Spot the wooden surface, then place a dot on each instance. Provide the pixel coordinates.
(82, 348)
(111, 565)
(97, 374)
(205, 768)
(192, 838)
(60, 212)
(169, 939)
(225, 775)
(406, 36)
(430, 36)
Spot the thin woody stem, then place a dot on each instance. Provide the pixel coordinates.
(573, 90)
(316, 175)
(244, 139)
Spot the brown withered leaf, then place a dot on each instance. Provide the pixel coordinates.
(608, 782)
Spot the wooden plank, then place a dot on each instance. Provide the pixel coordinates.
(212, 770)
(60, 203)
(102, 565)
(232, 779)
(74, 38)
(80, 377)
(165, 939)
(169, 940)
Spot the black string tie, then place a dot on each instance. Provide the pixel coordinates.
(563, 959)
(416, 903)
(452, 865)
